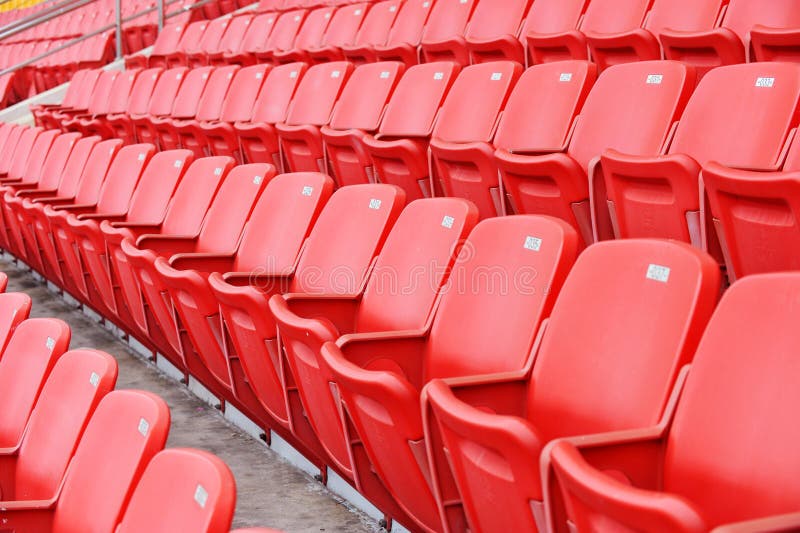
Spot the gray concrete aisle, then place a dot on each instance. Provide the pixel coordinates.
(271, 492)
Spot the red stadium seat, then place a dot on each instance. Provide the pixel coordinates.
(483, 90)
(309, 35)
(184, 107)
(341, 31)
(127, 429)
(358, 112)
(118, 97)
(14, 308)
(98, 102)
(282, 36)
(685, 473)
(550, 31)
(120, 124)
(379, 376)
(182, 490)
(493, 33)
(197, 55)
(231, 41)
(404, 38)
(254, 39)
(443, 38)
(628, 317)
(167, 42)
(373, 32)
(299, 135)
(159, 105)
(739, 116)
(399, 151)
(258, 137)
(649, 94)
(34, 469)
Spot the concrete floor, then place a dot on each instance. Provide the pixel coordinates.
(271, 492)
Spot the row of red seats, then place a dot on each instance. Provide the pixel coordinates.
(635, 152)
(703, 33)
(310, 312)
(59, 484)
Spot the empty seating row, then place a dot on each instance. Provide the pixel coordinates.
(704, 33)
(626, 154)
(57, 485)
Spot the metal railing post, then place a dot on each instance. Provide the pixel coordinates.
(160, 5)
(118, 8)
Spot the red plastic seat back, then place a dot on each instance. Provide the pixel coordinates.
(277, 92)
(20, 136)
(258, 32)
(740, 115)
(448, 19)
(345, 24)
(188, 96)
(75, 165)
(79, 380)
(313, 29)
(410, 22)
(14, 308)
(242, 93)
(127, 429)
(212, 37)
(165, 91)
(168, 39)
(285, 29)
(53, 166)
(232, 207)
(101, 95)
(190, 40)
(742, 15)
(628, 318)
(234, 34)
(377, 23)
(317, 93)
(560, 90)
(142, 91)
(182, 490)
(483, 90)
(510, 271)
(123, 175)
(490, 21)
(89, 82)
(415, 103)
(364, 98)
(281, 221)
(194, 195)
(209, 106)
(614, 16)
(32, 350)
(735, 416)
(121, 91)
(95, 171)
(348, 234)
(38, 154)
(156, 186)
(548, 17)
(683, 15)
(75, 87)
(406, 279)
(631, 109)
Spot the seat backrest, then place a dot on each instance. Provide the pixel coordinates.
(234, 35)
(560, 89)
(285, 30)
(489, 21)
(212, 37)
(628, 318)
(241, 97)
(740, 115)
(410, 22)
(168, 39)
(15, 137)
(165, 90)
(101, 95)
(232, 206)
(122, 176)
(89, 81)
(183, 490)
(614, 16)
(158, 182)
(194, 195)
(317, 93)
(75, 165)
(127, 429)
(377, 23)
(742, 15)
(344, 25)
(349, 232)
(554, 16)
(32, 350)
(121, 91)
(734, 419)
(631, 108)
(258, 32)
(483, 90)
(448, 18)
(77, 383)
(503, 284)
(95, 171)
(365, 96)
(277, 92)
(190, 40)
(188, 96)
(281, 221)
(403, 285)
(683, 15)
(416, 100)
(74, 88)
(210, 105)
(39, 150)
(53, 166)
(142, 91)
(14, 308)
(313, 29)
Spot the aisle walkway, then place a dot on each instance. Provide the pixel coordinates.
(271, 492)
